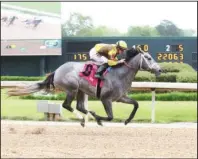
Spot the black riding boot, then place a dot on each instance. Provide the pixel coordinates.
(100, 71)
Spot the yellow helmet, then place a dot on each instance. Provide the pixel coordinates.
(122, 44)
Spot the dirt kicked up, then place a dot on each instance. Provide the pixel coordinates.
(58, 140)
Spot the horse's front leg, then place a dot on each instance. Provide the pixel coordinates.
(108, 108)
(128, 100)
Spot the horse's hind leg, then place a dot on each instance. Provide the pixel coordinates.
(81, 106)
(67, 103)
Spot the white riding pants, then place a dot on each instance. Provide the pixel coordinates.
(97, 57)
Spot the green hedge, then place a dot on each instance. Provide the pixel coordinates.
(173, 72)
(172, 96)
(188, 77)
(176, 67)
(167, 77)
(148, 77)
(144, 76)
(21, 78)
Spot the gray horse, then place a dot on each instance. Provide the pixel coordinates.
(116, 84)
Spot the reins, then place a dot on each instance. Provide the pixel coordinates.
(126, 64)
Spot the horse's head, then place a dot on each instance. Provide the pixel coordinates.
(143, 59)
(41, 20)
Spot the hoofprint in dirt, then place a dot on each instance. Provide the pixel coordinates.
(60, 139)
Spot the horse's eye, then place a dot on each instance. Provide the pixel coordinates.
(149, 58)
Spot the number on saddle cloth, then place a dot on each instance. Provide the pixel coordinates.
(88, 70)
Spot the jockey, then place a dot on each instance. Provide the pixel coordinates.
(105, 55)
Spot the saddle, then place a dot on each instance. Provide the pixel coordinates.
(88, 68)
(88, 73)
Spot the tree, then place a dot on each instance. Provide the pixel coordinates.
(77, 25)
(142, 31)
(168, 28)
(104, 31)
(189, 32)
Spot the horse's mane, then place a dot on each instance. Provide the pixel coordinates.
(127, 55)
(131, 53)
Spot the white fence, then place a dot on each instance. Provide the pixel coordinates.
(153, 86)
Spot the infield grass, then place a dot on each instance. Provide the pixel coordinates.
(166, 112)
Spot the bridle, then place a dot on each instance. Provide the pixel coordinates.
(150, 67)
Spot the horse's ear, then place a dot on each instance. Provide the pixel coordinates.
(133, 49)
(136, 49)
(140, 50)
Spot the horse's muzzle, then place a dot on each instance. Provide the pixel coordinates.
(158, 73)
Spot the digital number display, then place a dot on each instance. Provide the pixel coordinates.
(80, 57)
(173, 53)
(143, 47)
(174, 48)
(170, 57)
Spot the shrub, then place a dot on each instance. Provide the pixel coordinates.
(173, 72)
(171, 96)
(21, 78)
(188, 77)
(144, 76)
(176, 67)
(166, 77)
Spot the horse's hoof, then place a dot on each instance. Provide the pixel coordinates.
(126, 122)
(82, 123)
(100, 123)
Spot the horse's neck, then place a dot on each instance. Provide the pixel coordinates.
(127, 73)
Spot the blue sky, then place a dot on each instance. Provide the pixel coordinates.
(121, 15)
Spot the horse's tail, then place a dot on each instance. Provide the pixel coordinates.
(44, 85)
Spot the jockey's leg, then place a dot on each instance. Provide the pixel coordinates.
(93, 54)
(100, 71)
(101, 60)
(97, 57)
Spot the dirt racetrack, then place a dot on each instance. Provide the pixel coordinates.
(59, 140)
